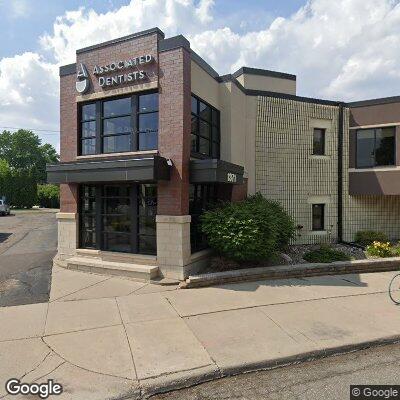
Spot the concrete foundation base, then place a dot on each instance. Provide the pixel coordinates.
(173, 245)
(67, 235)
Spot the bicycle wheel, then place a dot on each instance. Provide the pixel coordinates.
(394, 289)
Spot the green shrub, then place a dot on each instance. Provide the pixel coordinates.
(18, 186)
(364, 238)
(251, 230)
(380, 249)
(396, 250)
(325, 254)
(48, 196)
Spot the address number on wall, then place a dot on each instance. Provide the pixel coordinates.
(231, 177)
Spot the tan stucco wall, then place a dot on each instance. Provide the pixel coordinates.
(204, 85)
(238, 128)
(286, 170)
(268, 83)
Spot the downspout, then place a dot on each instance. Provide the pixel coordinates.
(340, 175)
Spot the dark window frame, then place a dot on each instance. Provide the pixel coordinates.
(321, 226)
(375, 163)
(323, 145)
(204, 196)
(135, 235)
(213, 140)
(134, 134)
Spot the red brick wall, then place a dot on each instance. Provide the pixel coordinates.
(239, 192)
(69, 107)
(69, 198)
(174, 129)
(234, 193)
(68, 119)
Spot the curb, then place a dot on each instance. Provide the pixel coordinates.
(292, 271)
(194, 378)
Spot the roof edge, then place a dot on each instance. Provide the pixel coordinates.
(264, 72)
(172, 43)
(374, 102)
(69, 69)
(255, 92)
(203, 64)
(122, 39)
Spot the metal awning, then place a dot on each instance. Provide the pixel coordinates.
(215, 171)
(146, 169)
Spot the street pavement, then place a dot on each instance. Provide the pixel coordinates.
(107, 337)
(28, 242)
(329, 379)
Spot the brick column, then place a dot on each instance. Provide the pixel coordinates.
(173, 221)
(68, 216)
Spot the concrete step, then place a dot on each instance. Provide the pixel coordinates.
(117, 257)
(94, 265)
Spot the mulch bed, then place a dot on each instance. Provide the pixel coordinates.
(294, 255)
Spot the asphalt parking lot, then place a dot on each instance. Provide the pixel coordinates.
(28, 242)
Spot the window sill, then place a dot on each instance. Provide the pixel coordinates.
(319, 233)
(319, 157)
(372, 169)
(112, 155)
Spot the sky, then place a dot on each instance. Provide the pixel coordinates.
(340, 50)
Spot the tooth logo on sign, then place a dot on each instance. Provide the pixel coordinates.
(82, 76)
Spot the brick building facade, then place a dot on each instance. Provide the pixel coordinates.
(151, 135)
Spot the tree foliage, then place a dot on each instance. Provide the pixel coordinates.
(23, 160)
(18, 186)
(23, 151)
(48, 196)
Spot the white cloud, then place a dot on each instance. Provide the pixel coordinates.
(347, 49)
(81, 28)
(29, 92)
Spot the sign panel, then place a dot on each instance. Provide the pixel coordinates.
(115, 73)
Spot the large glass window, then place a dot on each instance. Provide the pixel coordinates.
(375, 147)
(201, 198)
(205, 131)
(119, 125)
(119, 218)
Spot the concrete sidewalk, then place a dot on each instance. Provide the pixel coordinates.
(103, 337)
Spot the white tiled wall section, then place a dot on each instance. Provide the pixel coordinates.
(286, 170)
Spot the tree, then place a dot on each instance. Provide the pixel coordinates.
(18, 186)
(23, 161)
(23, 151)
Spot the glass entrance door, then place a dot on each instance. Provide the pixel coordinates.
(118, 218)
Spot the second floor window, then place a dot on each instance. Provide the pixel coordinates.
(319, 142)
(205, 137)
(375, 147)
(119, 125)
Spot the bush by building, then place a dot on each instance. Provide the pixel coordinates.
(48, 196)
(365, 238)
(325, 254)
(251, 230)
